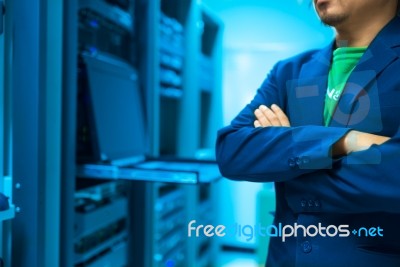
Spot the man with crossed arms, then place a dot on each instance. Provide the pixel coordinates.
(324, 126)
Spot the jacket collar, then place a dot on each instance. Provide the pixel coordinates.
(375, 59)
(313, 78)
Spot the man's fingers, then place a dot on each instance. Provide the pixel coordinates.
(262, 119)
(283, 119)
(257, 124)
(271, 116)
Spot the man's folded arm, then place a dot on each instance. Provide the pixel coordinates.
(263, 154)
(363, 181)
(275, 153)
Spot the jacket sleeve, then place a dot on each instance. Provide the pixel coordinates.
(273, 153)
(365, 181)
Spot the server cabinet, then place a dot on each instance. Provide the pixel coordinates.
(105, 52)
(163, 41)
(7, 207)
(101, 224)
(184, 111)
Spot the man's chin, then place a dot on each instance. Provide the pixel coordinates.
(333, 20)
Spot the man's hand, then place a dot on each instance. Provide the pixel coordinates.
(355, 141)
(270, 117)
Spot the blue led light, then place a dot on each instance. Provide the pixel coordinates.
(92, 49)
(170, 263)
(94, 23)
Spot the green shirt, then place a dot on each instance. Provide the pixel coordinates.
(344, 61)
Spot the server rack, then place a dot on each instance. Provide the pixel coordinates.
(201, 250)
(35, 62)
(106, 29)
(8, 208)
(168, 246)
(164, 41)
(175, 36)
(101, 223)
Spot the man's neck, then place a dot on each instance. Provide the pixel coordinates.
(361, 33)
